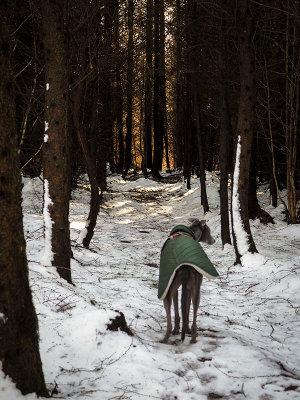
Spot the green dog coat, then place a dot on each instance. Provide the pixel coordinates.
(181, 248)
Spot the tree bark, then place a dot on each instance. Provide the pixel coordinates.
(187, 161)
(192, 91)
(56, 154)
(90, 161)
(204, 200)
(225, 134)
(255, 210)
(19, 350)
(159, 87)
(105, 69)
(245, 113)
(178, 86)
(292, 70)
(119, 95)
(128, 140)
(148, 88)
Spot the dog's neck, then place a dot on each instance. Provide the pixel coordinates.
(183, 229)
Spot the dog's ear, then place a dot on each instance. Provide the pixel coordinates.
(203, 223)
(194, 221)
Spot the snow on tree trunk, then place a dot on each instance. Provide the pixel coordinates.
(48, 255)
(241, 235)
(56, 147)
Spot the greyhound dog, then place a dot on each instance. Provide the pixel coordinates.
(190, 280)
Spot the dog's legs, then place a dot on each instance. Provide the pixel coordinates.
(167, 305)
(188, 311)
(196, 302)
(176, 311)
(172, 293)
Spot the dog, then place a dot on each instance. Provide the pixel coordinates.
(189, 277)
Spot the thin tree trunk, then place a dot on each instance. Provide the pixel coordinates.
(204, 200)
(158, 115)
(192, 99)
(255, 210)
(119, 96)
(274, 187)
(128, 140)
(56, 157)
(19, 349)
(179, 86)
(225, 140)
(148, 88)
(225, 126)
(89, 159)
(162, 76)
(105, 69)
(187, 167)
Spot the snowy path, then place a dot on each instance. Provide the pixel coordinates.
(248, 322)
(244, 348)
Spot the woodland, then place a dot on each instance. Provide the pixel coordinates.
(138, 87)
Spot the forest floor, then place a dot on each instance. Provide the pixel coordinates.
(248, 322)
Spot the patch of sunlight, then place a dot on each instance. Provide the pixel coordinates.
(162, 210)
(124, 221)
(77, 225)
(121, 203)
(174, 188)
(124, 210)
(189, 192)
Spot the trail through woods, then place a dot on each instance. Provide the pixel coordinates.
(248, 322)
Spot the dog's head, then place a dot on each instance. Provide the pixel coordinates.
(201, 231)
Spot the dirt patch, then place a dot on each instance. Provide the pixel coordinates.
(119, 323)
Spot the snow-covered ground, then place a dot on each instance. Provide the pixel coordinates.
(248, 322)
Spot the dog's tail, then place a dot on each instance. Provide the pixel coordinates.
(184, 305)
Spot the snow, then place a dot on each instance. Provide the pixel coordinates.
(46, 136)
(248, 321)
(83, 233)
(8, 389)
(48, 255)
(241, 235)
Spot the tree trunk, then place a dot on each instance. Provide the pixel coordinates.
(162, 77)
(192, 91)
(56, 157)
(105, 69)
(204, 200)
(148, 88)
(159, 87)
(90, 160)
(128, 140)
(119, 96)
(19, 349)
(179, 87)
(255, 211)
(225, 129)
(187, 162)
(225, 140)
(245, 119)
(292, 70)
